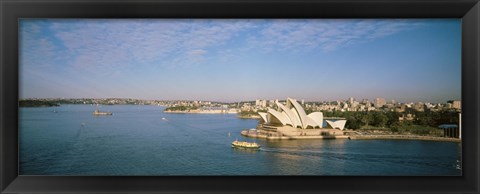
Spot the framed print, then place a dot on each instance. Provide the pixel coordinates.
(220, 96)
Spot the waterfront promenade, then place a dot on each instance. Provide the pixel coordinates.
(405, 137)
(282, 133)
(285, 132)
(198, 111)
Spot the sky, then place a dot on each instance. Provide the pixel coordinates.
(229, 60)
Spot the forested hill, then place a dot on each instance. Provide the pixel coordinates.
(36, 103)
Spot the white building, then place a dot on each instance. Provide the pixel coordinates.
(292, 114)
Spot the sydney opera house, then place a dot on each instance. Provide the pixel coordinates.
(293, 114)
(290, 121)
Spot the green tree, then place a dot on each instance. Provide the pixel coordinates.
(447, 117)
(308, 111)
(353, 124)
(392, 118)
(425, 118)
(379, 119)
(395, 127)
(366, 119)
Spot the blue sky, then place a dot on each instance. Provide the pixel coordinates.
(235, 60)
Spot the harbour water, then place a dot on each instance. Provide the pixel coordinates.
(142, 140)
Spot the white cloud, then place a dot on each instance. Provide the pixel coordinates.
(326, 35)
(111, 43)
(197, 52)
(107, 45)
(36, 52)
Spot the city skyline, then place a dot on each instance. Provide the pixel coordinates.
(241, 60)
(358, 100)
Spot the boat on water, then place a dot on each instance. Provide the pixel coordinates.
(98, 112)
(244, 144)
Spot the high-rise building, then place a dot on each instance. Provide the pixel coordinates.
(457, 104)
(350, 100)
(379, 102)
(261, 103)
(365, 101)
(354, 105)
(271, 103)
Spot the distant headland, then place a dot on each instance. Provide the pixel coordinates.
(36, 103)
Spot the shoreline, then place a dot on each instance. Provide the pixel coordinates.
(404, 137)
(199, 112)
(272, 136)
(249, 117)
(260, 136)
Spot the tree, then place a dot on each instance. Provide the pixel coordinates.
(392, 118)
(353, 124)
(366, 119)
(379, 119)
(395, 127)
(308, 111)
(425, 119)
(447, 117)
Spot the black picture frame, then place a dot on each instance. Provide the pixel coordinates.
(12, 10)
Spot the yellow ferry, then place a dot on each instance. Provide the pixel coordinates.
(97, 112)
(244, 144)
